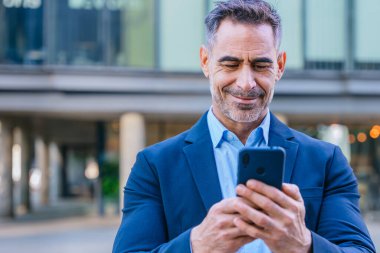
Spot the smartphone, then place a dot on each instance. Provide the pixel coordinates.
(265, 164)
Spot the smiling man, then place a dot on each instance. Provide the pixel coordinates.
(243, 65)
(182, 195)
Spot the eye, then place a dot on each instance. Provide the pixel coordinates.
(261, 66)
(231, 65)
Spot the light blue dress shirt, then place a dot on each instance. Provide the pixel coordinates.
(226, 147)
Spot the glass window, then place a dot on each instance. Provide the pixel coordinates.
(326, 34)
(132, 34)
(365, 147)
(291, 16)
(367, 39)
(79, 35)
(211, 4)
(21, 32)
(181, 34)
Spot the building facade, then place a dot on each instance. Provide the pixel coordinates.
(85, 84)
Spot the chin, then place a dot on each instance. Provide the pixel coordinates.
(244, 113)
(244, 116)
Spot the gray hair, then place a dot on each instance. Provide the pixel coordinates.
(243, 11)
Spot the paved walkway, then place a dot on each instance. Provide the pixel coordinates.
(78, 235)
(74, 235)
(374, 230)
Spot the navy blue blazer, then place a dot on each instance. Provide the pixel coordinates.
(174, 183)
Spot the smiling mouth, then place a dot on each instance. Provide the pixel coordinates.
(245, 100)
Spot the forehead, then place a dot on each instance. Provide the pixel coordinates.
(237, 36)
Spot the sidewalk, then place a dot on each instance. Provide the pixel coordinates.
(67, 226)
(373, 224)
(74, 235)
(88, 233)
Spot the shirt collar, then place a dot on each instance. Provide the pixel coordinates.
(218, 130)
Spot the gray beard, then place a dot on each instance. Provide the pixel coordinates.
(241, 112)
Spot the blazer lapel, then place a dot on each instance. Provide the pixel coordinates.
(200, 157)
(280, 135)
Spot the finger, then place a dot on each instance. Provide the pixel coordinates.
(272, 193)
(224, 207)
(253, 216)
(251, 230)
(223, 220)
(260, 201)
(234, 232)
(292, 191)
(240, 188)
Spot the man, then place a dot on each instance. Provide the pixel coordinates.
(181, 195)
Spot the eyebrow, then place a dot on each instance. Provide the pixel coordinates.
(262, 60)
(229, 58)
(235, 59)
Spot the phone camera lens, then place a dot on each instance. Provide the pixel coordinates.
(260, 171)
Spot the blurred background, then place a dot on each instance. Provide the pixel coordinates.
(85, 84)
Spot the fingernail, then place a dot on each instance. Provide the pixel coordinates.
(239, 187)
(251, 183)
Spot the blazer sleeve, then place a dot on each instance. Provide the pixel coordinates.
(143, 227)
(341, 227)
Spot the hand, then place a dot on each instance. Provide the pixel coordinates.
(217, 233)
(279, 220)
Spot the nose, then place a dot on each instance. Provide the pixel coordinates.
(246, 79)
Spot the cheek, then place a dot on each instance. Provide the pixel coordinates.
(222, 80)
(267, 84)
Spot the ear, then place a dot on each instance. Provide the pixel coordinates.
(204, 57)
(281, 61)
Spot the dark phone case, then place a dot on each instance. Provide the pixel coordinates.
(263, 164)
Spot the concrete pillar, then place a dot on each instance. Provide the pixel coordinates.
(39, 178)
(26, 158)
(6, 196)
(132, 140)
(54, 172)
(18, 171)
